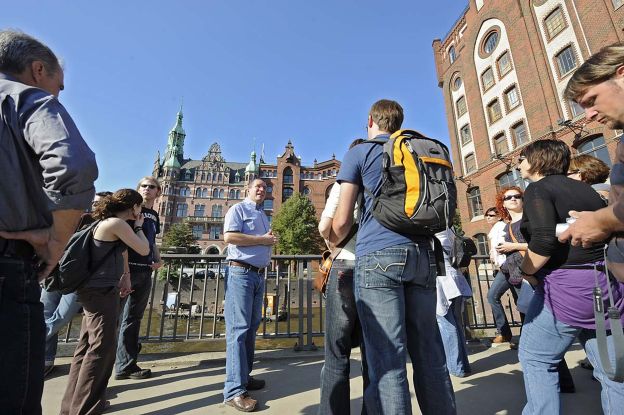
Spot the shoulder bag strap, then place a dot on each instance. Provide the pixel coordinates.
(616, 373)
(513, 238)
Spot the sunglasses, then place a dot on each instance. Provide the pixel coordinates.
(521, 159)
(491, 216)
(516, 197)
(572, 172)
(151, 186)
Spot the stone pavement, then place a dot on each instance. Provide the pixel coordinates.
(192, 384)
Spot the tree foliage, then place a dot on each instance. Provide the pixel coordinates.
(180, 235)
(296, 226)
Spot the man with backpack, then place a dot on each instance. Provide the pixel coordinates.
(47, 173)
(141, 267)
(395, 285)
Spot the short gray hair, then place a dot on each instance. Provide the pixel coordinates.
(18, 50)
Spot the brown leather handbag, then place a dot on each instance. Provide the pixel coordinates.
(322, 277)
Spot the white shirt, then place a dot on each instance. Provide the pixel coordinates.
(497, 236)
(453, 284)
(331, 205)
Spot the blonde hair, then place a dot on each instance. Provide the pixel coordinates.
(151, 179)
(599, 68)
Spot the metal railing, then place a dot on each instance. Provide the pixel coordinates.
(188, 293)
(188, 297)
(481, 274)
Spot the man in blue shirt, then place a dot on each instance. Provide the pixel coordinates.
(395, 286)
(249, 238)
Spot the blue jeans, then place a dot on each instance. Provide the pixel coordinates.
(342, 333)
(543, 343)
(244, 294)
(453, 338)
(58, 310)
(395, 293)
(128, 346)
(499, 286)
(21, 348)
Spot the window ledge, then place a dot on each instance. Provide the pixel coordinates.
(477, 218)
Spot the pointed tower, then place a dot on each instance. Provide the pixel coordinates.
(253, 169)
(174, 156)
(156, 172)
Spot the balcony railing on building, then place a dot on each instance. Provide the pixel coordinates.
(204, 219)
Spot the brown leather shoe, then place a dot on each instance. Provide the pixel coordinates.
(501, 339)
(243, 403)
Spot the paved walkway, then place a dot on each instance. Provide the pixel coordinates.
(192, 384)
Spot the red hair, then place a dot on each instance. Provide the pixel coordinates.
(502, 210)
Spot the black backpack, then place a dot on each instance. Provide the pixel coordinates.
(76, 265)
(463, 250)
(417, 195)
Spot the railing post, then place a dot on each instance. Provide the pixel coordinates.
(299, 345)
(310, 342)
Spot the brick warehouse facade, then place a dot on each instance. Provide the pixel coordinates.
(502, 69)
(200, 192)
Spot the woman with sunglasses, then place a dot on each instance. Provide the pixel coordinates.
(563, 277)
(495, 236)
(509, 206)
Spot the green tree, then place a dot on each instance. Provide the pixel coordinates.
(296, 226)
(180, 235)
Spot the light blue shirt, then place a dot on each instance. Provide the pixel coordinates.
(248, 218)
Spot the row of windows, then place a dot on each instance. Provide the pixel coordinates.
(500, 143)
(204, 192)
(503, 64)
(595, 147)
(214, 231)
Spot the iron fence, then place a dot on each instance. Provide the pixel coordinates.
(188, 297)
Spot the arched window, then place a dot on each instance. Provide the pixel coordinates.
(510, 178)
(286, 193)
(500, 144)
(452, 54)
(470, 162)
(288, 176)
(596, 147)
(238, 194)
(184, 191)
(221, 194)
(483, 248)
(490, 42)
(220, 177)
(232, 194)
(214, 177)
(306, 191)
(198, 192)
(203, 176)
(457, 83)
(204, 192)
(474, 202)
(215, 193)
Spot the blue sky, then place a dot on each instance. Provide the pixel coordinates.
(275, 70)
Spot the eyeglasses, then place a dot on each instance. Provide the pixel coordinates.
(151, 186)
(516, 197)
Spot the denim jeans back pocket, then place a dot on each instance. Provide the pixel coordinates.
(384, 268)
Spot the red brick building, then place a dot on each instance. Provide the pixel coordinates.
(502, 69)
(200, 192)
